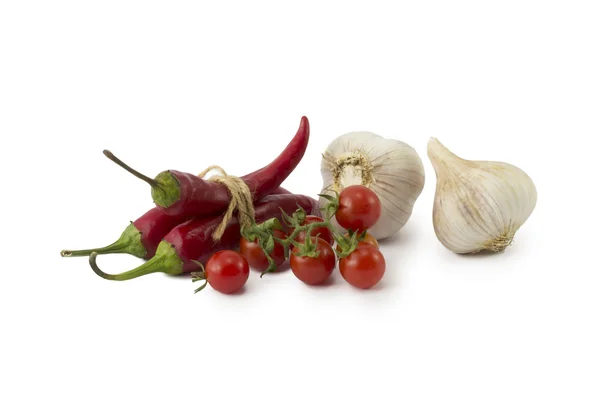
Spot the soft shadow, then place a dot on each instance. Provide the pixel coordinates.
(513, 248)
(396, 239)
(406, 235)
(396, 250)
(382, 285)
(483, 259)
(379, 287)
(331, 281)
(186, 276)
(283, 267)
(509, 250)
(239, 292)
(481, 254)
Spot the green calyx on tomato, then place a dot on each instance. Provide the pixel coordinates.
(333, 203)
(308, 247)
(314, 265)
(321, 231)
(257, 258)
(364, 267)
(346, 244)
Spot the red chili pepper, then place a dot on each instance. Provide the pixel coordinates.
(192, 240)
(182, 193)
(142, 236)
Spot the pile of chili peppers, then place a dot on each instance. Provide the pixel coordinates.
(176, 236)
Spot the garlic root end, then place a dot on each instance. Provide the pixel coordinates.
(500, 243)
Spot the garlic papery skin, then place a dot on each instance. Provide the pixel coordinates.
(391, 168)
(479, 205)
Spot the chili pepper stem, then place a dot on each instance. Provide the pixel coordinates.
(130, 243)
(166, 260)
(113, 158)
(114, 248)
(165, 188)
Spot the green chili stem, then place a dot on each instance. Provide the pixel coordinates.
(116, 247)
(165, 260)
(263, 232)
(151, 266)
(130, 242)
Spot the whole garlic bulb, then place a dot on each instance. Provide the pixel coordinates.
(391, 168)
(479, 205)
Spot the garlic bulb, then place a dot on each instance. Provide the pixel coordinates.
(391, 168)
(479, 205)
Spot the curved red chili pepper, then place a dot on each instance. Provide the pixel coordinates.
(192, 240)
(185, 194)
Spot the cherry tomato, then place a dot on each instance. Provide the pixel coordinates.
(256, 256)
(227, 271)
(359, 208)
(323, 232)
(364, 267)
(367, 239)
(313, 270)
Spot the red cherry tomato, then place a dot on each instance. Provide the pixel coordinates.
(323, 232)
(227, 271)
(367, 239)
(313, 270)
(364, 267)
(256, 256)
(359, 208)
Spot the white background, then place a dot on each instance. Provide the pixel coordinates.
(180, 85)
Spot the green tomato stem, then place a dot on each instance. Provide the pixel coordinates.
(199, 276)
(264, 232)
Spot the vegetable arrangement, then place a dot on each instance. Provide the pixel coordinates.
(192, 241)
(220, 228)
